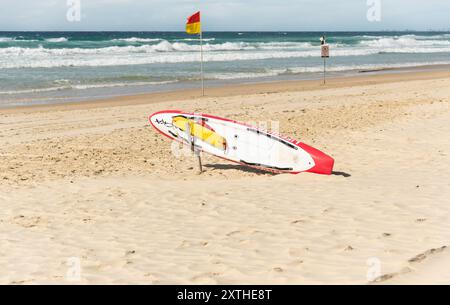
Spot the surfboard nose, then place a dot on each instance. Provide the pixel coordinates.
(323, 163)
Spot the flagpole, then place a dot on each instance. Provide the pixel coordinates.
(201, 62)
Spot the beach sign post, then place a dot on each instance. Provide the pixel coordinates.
(194, 27)
(325, 54)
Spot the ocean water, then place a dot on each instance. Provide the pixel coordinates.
(54, 67)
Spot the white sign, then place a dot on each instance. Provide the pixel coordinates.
(325, 51)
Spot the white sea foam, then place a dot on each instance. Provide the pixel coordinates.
(111, 85)
(242, 75)
(137, 39)
(16, 39)
(163, 51)
(196, 39)
(165, 46)
(60, 39)
(355, 67)
(84, 87)
(116, 56)
(404, 41)
(319, 69)
(28, 91)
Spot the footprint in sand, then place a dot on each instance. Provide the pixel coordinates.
(423, 256)
(27, 222)
(415, 260)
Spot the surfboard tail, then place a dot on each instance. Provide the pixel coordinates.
(324, 164)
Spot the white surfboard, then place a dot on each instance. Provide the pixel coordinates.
(241, 143)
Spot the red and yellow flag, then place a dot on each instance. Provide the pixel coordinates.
(193, 25)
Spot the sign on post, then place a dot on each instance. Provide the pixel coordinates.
(325, 54)
(325, 51)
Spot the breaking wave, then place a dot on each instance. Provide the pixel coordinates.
(60, 39)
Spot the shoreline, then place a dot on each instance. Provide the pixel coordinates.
(378, 76)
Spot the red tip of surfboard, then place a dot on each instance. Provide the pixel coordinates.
(324, 163)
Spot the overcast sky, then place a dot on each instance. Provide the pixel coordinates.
(225, 15)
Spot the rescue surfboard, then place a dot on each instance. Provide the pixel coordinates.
(241, 143)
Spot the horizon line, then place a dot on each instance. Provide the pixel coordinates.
(218, 31)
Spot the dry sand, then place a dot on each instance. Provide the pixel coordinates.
(91, 185)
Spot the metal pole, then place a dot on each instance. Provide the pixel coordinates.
(324, 70)
(190, 132)
(199, 158)
(201, 64)
(188, 135)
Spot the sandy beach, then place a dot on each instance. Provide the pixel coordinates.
(91, 194)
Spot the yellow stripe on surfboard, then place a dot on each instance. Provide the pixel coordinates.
(201, 132)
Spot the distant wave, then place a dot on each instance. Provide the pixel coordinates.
(356, 67)
(166, 46)
(137, 39)
(16, 39)
(25, 91)
(116, 56)
(184, 50)
(319, 69)
(110, 85)
(196, 39)
(60, 39)
(84, 87)
(405, 41)
(16, 57)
